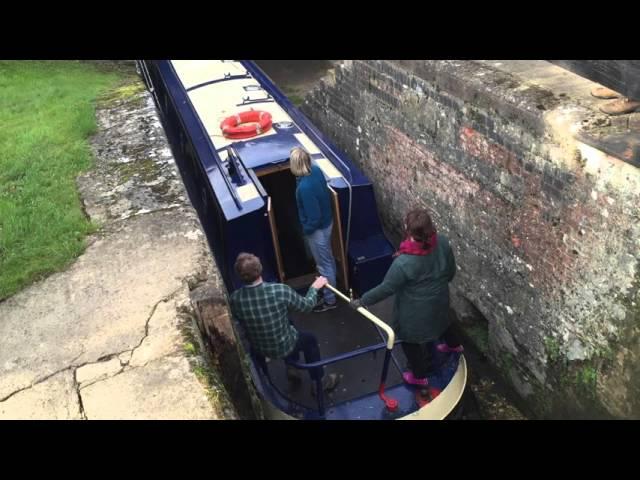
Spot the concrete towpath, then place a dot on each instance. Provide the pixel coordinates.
(112, 336)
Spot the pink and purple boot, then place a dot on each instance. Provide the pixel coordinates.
(411, 380)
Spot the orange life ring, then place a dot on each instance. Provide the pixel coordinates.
(258, 122)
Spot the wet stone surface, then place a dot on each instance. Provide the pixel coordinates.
(136, 176)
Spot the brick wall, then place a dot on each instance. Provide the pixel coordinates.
(545, 229)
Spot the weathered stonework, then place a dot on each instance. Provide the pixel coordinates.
(545, 228)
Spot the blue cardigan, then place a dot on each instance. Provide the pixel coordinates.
(314, 202)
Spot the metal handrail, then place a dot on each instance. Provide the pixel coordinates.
(391, 403)
(206, 137)
(150, 86)
(214, 153)
(391, 336)
(224, 79)
(341, 357)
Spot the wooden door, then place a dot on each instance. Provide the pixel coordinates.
(337, 243)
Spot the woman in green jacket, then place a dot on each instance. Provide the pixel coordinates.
(419, 277)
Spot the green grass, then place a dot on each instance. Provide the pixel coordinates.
(47, 111)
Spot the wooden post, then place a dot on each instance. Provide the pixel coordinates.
(215, 324)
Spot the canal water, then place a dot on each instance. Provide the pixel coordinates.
(488, 397)
(296, 77)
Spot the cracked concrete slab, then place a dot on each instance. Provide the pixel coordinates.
(166, 385)
(121, 304)
(101, 304)
(164, 336)
(94, 372)
(53, 399)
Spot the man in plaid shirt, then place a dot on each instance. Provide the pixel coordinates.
(263, 308)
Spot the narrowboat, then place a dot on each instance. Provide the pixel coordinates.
(231, 130)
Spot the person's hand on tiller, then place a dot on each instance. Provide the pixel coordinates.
(319, 283)
(356, 304)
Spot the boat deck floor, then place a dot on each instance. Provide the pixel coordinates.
(338, 331)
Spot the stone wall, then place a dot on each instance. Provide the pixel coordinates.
(545, 229)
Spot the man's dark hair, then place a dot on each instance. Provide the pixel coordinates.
(248, 267)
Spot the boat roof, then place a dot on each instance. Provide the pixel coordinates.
(217, 89)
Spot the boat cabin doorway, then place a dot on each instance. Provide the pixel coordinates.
(296, 266)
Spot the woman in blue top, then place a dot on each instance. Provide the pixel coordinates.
(316, 216)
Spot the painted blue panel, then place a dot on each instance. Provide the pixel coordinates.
(266, 150)
(339, 159)
(372, 247)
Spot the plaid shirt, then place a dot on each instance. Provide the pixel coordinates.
(264, 312)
